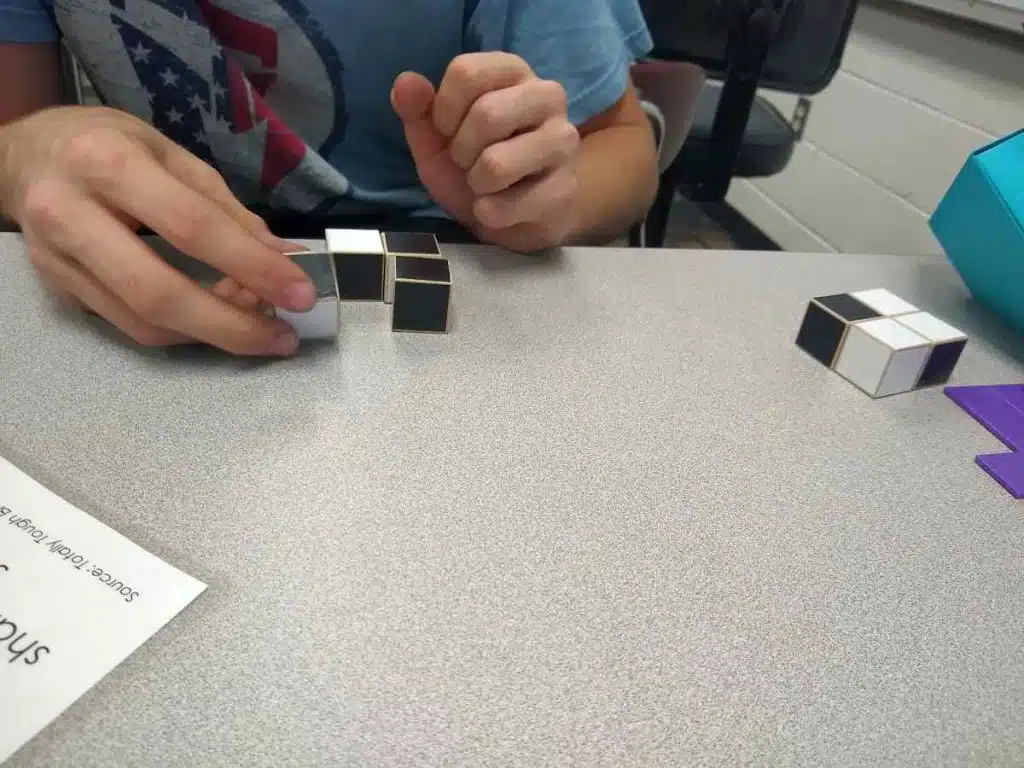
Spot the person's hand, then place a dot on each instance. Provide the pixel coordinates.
(81, 181)
(494, 147)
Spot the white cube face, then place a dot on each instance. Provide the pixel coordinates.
(892, 333)
(932, 328)
(884, 302)
(321, 322)
(903, 372)
(882, 358)
(354, 241)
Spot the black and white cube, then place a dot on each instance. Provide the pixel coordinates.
(405, 244)
(418, 282)
(946, 344)
(323, 320)
(879, 342)
(358, 256)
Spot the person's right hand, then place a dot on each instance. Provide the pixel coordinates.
(81, 180)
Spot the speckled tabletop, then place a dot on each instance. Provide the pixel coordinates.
(614, 518)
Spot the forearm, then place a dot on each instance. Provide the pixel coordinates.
(618, 180)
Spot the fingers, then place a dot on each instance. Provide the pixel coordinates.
(242, 298)
(80, 229)
(70, 280)
(131, 180)
(412, 97)
(505, 164)
(531, 200)
(193, 172)
(498, 115)
(469, 77)
(521, 238)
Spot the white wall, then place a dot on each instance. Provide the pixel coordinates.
(916, 94)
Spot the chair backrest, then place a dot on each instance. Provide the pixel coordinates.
(788, 45)
(803, 59)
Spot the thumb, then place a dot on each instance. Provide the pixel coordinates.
(412, 98)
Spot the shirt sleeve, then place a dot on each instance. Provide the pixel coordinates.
(26, 21)
(586, 45)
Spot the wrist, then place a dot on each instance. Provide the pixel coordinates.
(580, 221)
(617, 183)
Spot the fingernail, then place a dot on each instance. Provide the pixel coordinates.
(284, 344)
(300, 295)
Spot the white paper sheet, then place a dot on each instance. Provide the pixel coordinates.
(76, 599)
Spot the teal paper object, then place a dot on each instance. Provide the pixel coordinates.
(980, 225)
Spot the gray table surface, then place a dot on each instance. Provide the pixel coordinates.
(614, 518)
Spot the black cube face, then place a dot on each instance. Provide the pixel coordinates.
(820, 334)
(940, 365)
(422, 268)
(411, 243)
(360, 276)
(847, 307)
(317, 267)
(420, 306)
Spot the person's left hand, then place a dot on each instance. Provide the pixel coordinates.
(494, 148)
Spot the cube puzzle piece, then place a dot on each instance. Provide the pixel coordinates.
(418, 282)
(422, 294)
(879, 342)
(323, 320)
(406, 269)
(882, 357)
(358, 256)
(826, 322)
(947, 345)
(405, 244)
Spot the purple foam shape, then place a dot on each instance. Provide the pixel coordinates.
(1007, 469)
(1000, 409)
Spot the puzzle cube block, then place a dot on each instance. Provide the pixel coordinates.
(947, 343)
(828, 318)
(358, 256)
(324, 319)
(882, 357)
(879, 342)
(421, 293)
(397, 244)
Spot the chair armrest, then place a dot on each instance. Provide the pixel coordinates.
(674, 88)
(654, 114)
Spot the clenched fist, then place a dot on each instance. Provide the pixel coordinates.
(494, 147)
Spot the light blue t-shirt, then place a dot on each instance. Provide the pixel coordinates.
(290, 99)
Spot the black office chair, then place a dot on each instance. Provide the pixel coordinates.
(793, 46)
(768, 141)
